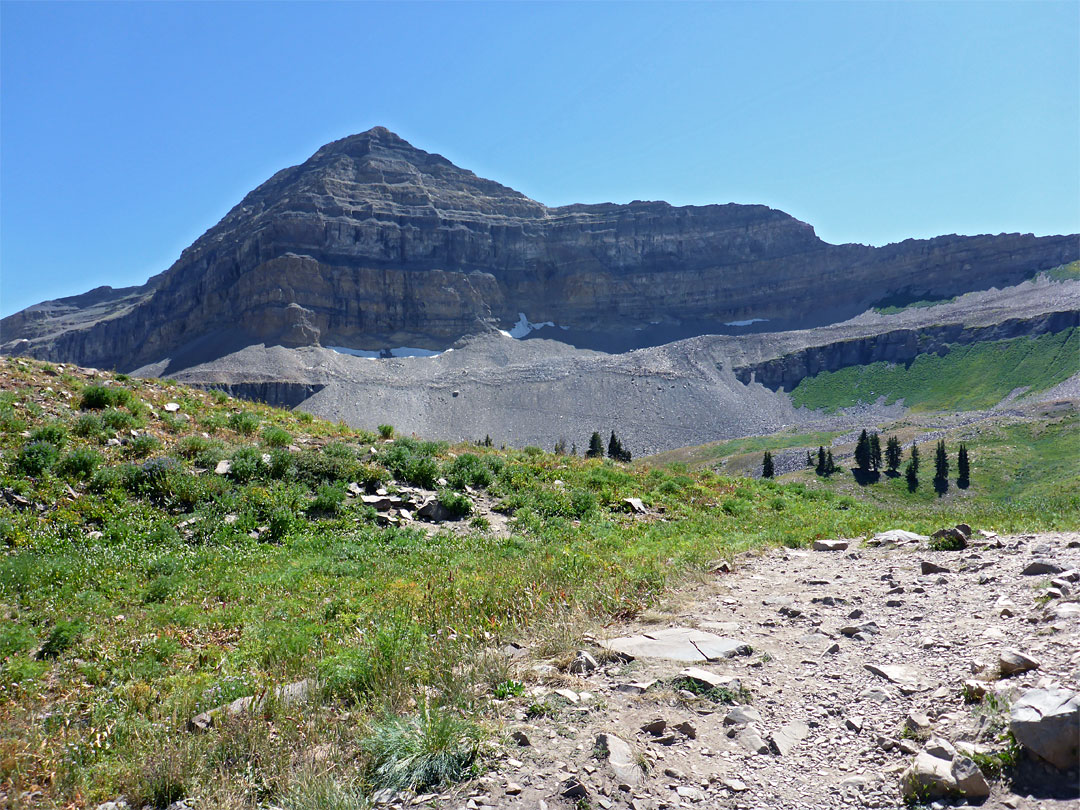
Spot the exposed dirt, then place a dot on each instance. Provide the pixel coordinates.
(795, 609)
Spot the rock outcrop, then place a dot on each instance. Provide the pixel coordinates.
(372, 244)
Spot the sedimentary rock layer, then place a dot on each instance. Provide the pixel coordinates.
(372, 243)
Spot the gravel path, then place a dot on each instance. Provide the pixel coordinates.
(815, 620)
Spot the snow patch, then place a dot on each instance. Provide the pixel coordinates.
(524, 326)
(746, 323)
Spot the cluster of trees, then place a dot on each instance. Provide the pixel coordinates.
(615, 449)
(869, 459)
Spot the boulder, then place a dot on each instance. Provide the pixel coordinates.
(634, 505)
(620, 757)
(831, 545)
(1047, 723)
(1040, 567)
(1013, 662)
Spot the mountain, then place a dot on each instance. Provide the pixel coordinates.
(372, 244)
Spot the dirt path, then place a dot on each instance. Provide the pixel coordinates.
(819, 729)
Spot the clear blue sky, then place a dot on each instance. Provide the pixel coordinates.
(130, 128)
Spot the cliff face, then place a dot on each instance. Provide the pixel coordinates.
(372, 243)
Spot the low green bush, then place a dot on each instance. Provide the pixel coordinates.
(274, 436)
(54, 433)
(79, 464)
(36, 458)
(243, 422)
(99, 397)
(468, 470)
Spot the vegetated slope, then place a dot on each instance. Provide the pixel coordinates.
(969, 377)
(373, 244)
(142, 581)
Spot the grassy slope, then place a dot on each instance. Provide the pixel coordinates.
(152, 617)
(967, 378)
(707, 455)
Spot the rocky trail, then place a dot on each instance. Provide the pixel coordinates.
(813, 679)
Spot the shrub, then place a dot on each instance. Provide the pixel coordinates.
(305, 417)
(313, 467)
(384, 666)
(426, 751)
(328, 500)
(281, 465)
(54, 433)
(79, 464)
(468, 470)
(99, 397)
(456, 504)
(114, 419)
(192, 446)
(89, 426)
(274, 436)
(413, 462)
(246, 464)
(36, 458)
(243, 422)
(63, 636)
(386, 431)
(219, 396)
(142, 446)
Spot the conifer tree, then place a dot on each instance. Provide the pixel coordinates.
(875, 452)
(911, 473)
(596, 446)
(963, 467)
(862, 451)
(941, 461)
(941, 469)
(767, 465)
(809, 459)
(820, 461)
(915, 457)
(893, 452)
(830, 465)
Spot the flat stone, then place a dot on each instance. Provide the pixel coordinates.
(933, 568)
(172, 407)
(1013, 662)
(1039, 567)
(742, 715)
(784, 740)
(620, 757)
(901, 676)
(899, 536)
(678, 644)
(751, 740)
(1047, 722)
(831, 545)
(709, 680)
(636, 688)
(634, 505)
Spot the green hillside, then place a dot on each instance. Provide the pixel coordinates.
(143, 581)
(969, 377)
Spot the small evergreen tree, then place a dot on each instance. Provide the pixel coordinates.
(915, 457)
(830, 465)
(596, 446)
(941, 461)
(862, 451)
(911, 473)
(809, 459)
(875, 452)
(767, 466)
(615, 450)
(963, 467)
(820, 470)
(560, 447)
(893, 451)
(941, 469)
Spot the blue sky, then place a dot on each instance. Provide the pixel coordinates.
(127, 129)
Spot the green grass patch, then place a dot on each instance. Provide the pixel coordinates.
(969, 377)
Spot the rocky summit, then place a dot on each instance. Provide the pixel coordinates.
(373, 245)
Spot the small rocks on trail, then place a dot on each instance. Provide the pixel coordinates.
(857, 679)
